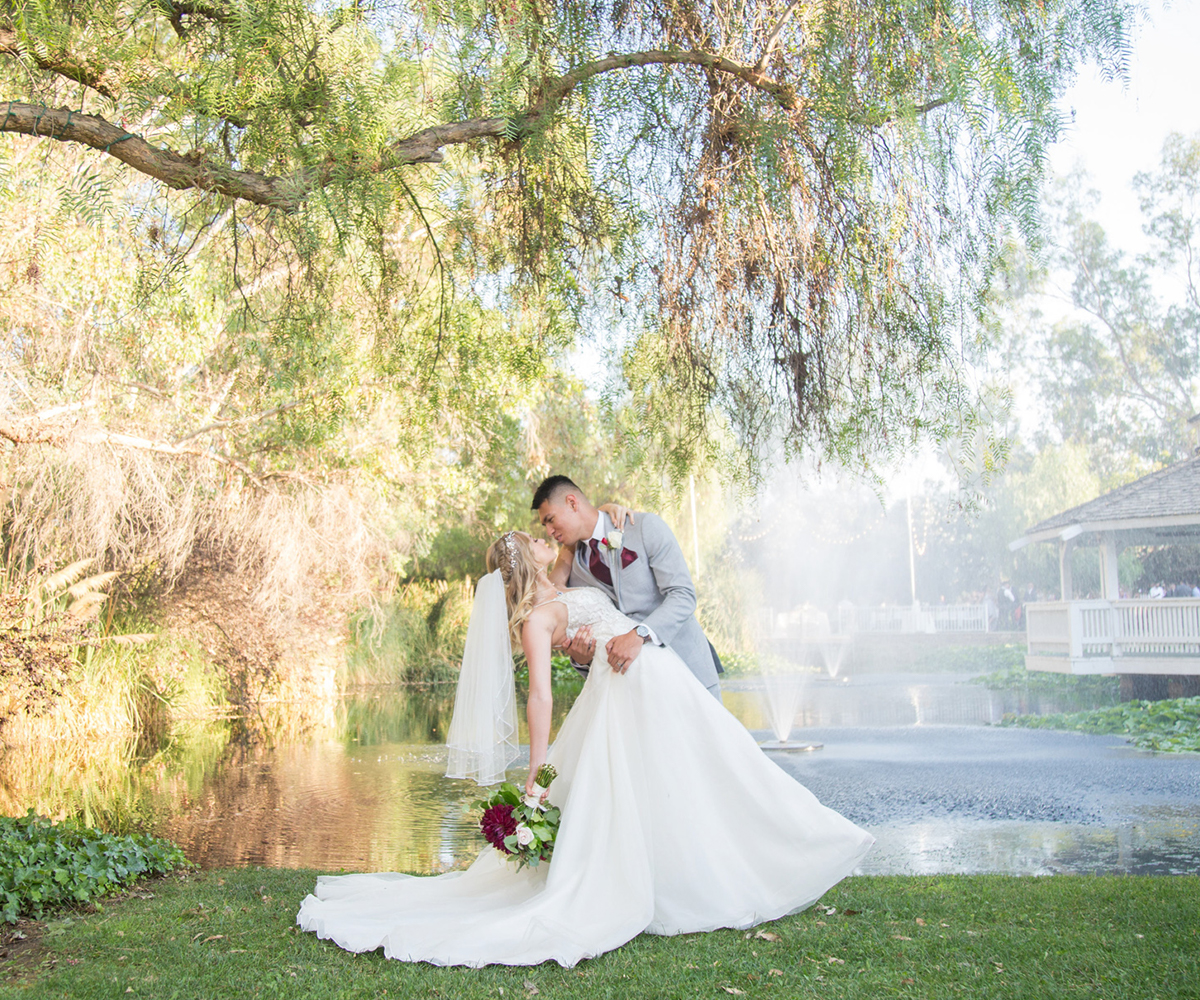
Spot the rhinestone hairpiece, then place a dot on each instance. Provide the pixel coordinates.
(506, 554)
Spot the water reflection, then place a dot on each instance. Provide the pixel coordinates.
(899, 700)
(1150, 846)
(367, 792)
(363, 786)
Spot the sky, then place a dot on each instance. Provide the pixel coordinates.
(1119, 126)
(1116, 129)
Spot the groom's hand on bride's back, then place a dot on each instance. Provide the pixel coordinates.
(582, 647)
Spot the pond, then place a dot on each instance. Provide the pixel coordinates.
(363, 787)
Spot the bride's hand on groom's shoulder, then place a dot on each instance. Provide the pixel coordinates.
(618, 514)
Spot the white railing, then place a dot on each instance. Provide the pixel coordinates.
(1143, 627)
(959, 617)
(906, 618)
(810, 625)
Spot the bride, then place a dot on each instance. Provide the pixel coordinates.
(673, 820)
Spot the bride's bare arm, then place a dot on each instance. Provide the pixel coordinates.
(536, 637)
(560, 572)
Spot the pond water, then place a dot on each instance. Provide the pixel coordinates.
(364, 789)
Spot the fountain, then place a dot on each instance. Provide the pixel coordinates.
(802, 636)
(833, 651)
(781, 695)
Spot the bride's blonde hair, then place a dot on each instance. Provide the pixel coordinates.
(511, 555)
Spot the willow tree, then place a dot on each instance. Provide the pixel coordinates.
(788, 214)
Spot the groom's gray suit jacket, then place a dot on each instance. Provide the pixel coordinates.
(655, 589)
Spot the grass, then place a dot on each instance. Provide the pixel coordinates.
(227, 934)
(1172, 724)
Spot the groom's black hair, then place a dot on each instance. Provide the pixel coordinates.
(551, 487)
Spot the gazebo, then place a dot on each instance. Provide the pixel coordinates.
(1111, 634)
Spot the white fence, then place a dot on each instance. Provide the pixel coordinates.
(1081, 629)
(925, 618)
(811, 625)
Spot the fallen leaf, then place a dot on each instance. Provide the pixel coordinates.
(775, 972)
(767, 935)
(688, 966)
(831, 911)
(920, 922)
(901, 937)
(851, 913)
(820, 923)
(213, 937)
(907, 982)
(530, 988)
(128, 989)
(734, 990)
(834, 960)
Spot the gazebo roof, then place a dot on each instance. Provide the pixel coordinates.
(1163, 506)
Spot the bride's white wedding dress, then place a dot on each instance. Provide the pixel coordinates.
(673, 821)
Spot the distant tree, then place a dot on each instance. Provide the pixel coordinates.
(1122, 375)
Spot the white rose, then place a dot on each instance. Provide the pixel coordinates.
(615, 539)
(524, 835)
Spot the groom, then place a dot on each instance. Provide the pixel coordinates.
(642, 569)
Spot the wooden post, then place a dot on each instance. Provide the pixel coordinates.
(1110, 584)
(1064, 570)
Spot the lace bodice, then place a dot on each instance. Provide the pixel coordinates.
(589, 606)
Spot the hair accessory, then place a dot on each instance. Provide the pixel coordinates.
(506, 554)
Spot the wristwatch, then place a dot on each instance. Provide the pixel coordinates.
(644, 632)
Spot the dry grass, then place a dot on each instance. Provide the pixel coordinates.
(132, 510)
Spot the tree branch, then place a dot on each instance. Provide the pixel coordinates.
(176, 171)
(253, 418)
(36, 431)
(773, 36)
(62, 64)
(196, 171)
(558, 89)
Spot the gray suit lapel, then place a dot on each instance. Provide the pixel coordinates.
(613, 558)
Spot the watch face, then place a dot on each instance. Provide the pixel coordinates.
(643, 631)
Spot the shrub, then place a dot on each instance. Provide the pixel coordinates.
(45, 865)
(1171, 725)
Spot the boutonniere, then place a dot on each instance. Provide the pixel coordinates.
(613, 540)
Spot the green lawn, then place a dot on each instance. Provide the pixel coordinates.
(225, 934)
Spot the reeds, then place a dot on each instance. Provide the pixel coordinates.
(416, 638)
(135, 511)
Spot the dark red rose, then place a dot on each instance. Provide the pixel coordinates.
(498, 823)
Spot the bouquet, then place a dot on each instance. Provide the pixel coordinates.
(521, 826)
